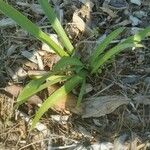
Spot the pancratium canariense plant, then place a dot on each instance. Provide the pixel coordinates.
(68, 61)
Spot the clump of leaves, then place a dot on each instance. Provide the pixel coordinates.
(68, 61)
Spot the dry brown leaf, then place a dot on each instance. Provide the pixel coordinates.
(81, 25)
(34, 100)
(13, 90)
(16, 89)
(30, 65)
(67, 103)
(100, 106)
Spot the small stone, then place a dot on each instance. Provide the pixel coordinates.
(135, 21)
(89, 88)
(137, 2)
(60, 119)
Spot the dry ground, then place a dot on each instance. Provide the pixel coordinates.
(128, 76)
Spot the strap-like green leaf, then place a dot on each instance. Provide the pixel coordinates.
(36, 85)
(138, 37)
(56, 96)
(82, 92)
(56, 25)
(101, 47)
(66, 62)
(131, 41)
(30, 27)
(109, 54)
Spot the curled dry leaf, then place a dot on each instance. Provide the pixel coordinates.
(81, 25)
(100, 106)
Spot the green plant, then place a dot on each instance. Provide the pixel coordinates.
(68, 60)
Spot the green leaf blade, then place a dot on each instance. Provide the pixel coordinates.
(82, 92)
(113, 51)
(101, 47)
(56, 25)
(67, 61)
(56, 96)
(138, 37)
(30, 27)
(36, 86)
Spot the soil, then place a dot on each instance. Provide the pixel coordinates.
(127, 75)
